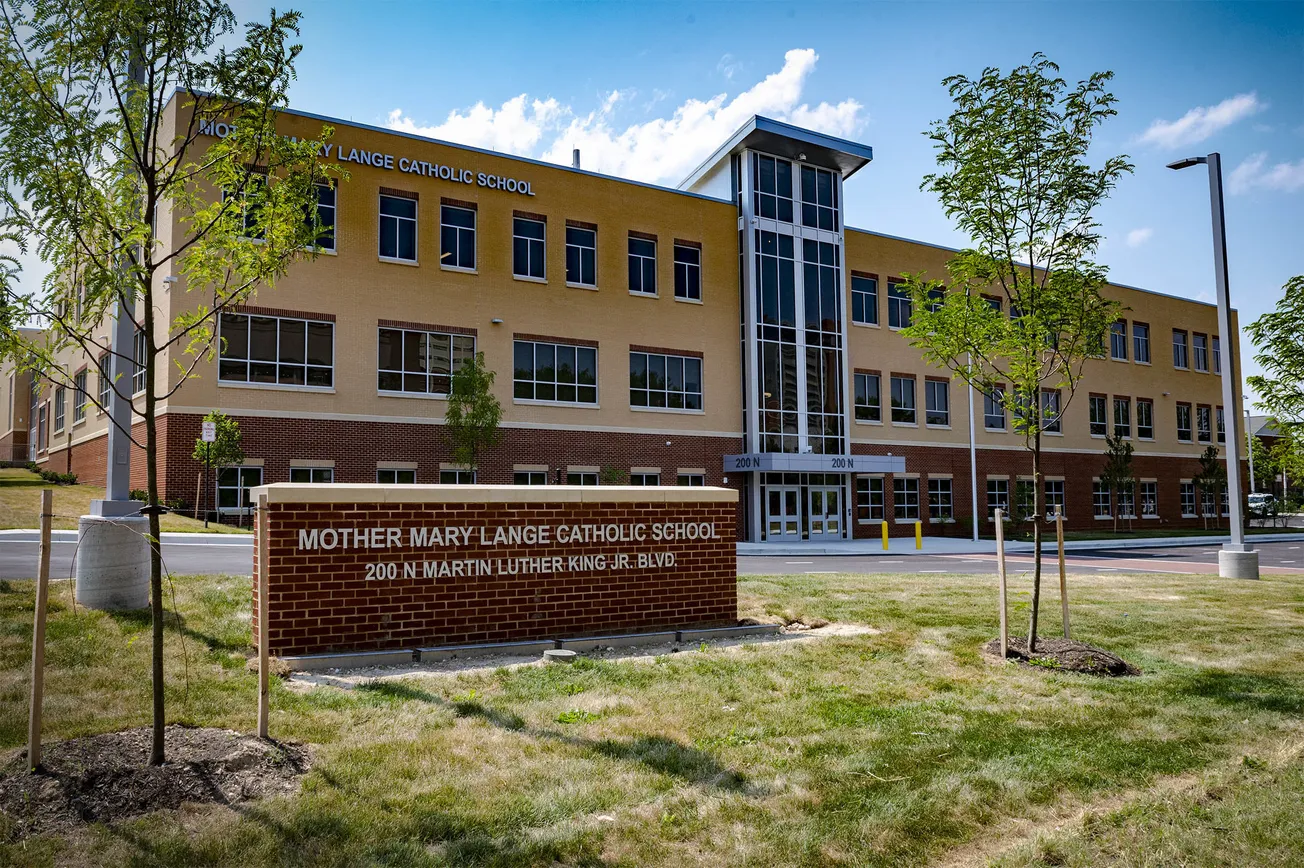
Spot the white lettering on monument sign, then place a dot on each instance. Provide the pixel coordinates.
(378, 160)
(329, 539)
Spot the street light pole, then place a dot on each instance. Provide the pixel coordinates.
(1236, 560)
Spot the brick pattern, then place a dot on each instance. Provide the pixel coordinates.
(320, 601)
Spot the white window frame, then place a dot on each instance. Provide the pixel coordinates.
(866, 305)
(456, 476)
(905, 498)
(1148, 425)
(932, 389)
(530, 252)
(60, 416)
(333, 208)
(683, 395)
(399, 221)
(555, 383)
(1141, 343)
(645, 479)
(248, 362)
(876, 409)
(313, 473)
(998, 497)
(941, 498)
(396, 475)
(79, 399)
(898, 304)
(459, 235)
(870, 499)
(684, 269)
(580, 250)
(913, 408)
(529, 477)
(241, 488)
(1117, 339)
(456, 358)
(690, 480)
(994, 398)
(646, 266)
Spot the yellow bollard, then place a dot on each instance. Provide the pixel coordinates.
(919, 536)
(884, 534)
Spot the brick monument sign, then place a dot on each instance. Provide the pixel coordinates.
(372, 567)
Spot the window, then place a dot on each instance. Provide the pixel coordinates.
(869, 498)
(1206, 504)
(1140, 342)
(1204, 423)
(1050, 410)
(325, 217)
(937, 402)
(396, 476)
(1118, 340)
(528, 247)
(1149, 499)
(1200, 352)
(936, 297)
(233, 485)
(456, 237)
(530, 477)
(688, 272)
(691, 480)
(642, 266)
(998, 497)
(1101, 500)
(1122, 417)
(1187, 490)
(864, 300)
(106, 383)
(939, 499)
(674, 382)
(398, 228)
(1127, 501)
(645, 479)
(78, 399)
(1145, 419)
(582, 478)
(1184, 422)
(139, 351)
(819, 199)
(1222, 425)
(420, 363)
(1217, 355)
(898, 306)
(581, 256)
(905, 498)
(43, 428)
(1097, 413)
(994, 409)
(1179, 349)
(555, 372)
(457, 477)
(1054, 489)
(251, 200)
(59, 415)
(868, 399)
(276, 350)
(312, 474)
(772, 185)
(903, 399)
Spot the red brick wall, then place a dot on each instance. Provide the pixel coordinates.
(320, 601)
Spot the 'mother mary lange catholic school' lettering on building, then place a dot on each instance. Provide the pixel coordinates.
(379, 160)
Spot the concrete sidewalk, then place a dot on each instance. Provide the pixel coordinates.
(898, 546)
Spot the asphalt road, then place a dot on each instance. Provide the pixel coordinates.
(234, 556)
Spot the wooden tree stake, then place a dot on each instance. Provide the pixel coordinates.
(264, 570)
(38, 633)
(1064, 585)
(1000, 567)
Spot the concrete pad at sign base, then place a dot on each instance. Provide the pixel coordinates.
(348, 660)
(740, 632)
(515, 649)
(559, 655)
(112, 562)
(1238, 565)
(623, 641)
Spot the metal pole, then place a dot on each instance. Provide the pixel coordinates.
(38, 634)
(1000, 568)
(1249, 449)
(1064, 584)
(973, 463)
(1230, 371)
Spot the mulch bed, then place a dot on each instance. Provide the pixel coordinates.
(106, 778)
(1067, 655)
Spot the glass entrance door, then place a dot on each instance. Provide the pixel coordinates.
(825, 515)
(783, 513)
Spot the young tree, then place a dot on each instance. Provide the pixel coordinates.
(91, 163)
(1279, 336)
(1210, 481)
(473, 413)
(1022, 305)
(1116, 476)
(224, 451)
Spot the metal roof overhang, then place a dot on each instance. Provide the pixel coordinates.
(785, 140)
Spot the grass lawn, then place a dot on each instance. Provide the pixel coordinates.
(895, 748)
(20, 495)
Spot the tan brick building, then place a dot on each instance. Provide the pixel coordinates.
(611, 312)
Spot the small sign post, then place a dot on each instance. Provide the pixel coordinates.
(1000, 568)
(208, 436)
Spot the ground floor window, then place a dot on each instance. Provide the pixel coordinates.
(530, 477)
(939, 499)
(691, 479)
(1101, 501)
(1127, 502)
(312, 474)
(584, 477)
(1188, 499)
(1054, 497)
(905, 496)
(998, 497)
(1149, 499)
(457, 477)
(1206, 503)
(233, 485)
(869, 498)
(396, 476)
(645, 479)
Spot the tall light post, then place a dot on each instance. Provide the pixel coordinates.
(1236, 560)
(1249, 444)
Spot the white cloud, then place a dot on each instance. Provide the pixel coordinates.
(663, 149)
(1254, 173)
(1137, 237)
(1201, 122)
(729, 66)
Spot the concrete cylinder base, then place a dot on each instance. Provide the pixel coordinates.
(1238, 565)
(112, 562)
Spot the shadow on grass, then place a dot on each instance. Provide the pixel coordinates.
(658, 753)
(134, 620)
(1260, 692)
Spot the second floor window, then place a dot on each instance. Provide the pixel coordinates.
(1180, 359)
(1118, 340)
(903, 399)
(398, 228)
(642, 266)
(106, 383)
(1222, 425)
(673, 382)
(1217, 355)
(1050, 410)
(1122, 417)
(1096, 411)
(994, 409)
(1184, 422)
(528, 247)
(864, 300)
(555, 372)
(1140, 343)
(898, 306)
(581, 256)
(937, 402)
(78, 398)
(1200, 352)
(59, 414)
(276, 350)
(688, 272)
(138, 357)
(456, 237)
(1204, 424)
(325, 217)
(1145, 419)
(869, 403)
(419, 362)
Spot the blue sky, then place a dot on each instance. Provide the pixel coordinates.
(645, 89)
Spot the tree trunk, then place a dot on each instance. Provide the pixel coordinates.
(1036, 541)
